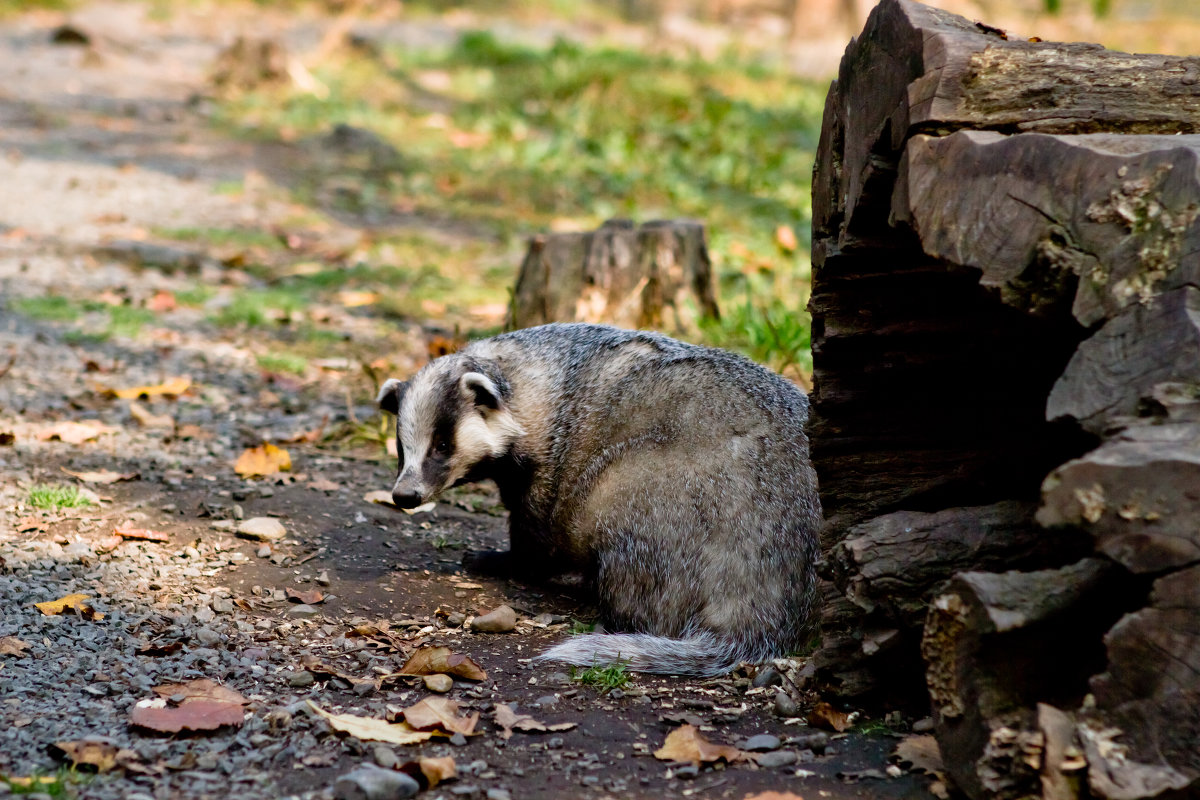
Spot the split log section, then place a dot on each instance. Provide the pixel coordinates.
(1006, 404)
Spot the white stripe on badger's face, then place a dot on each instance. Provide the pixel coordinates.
(414, 428)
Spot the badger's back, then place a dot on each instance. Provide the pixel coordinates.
(678, 477)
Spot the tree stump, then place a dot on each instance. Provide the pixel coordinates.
(1006, 352)
(622, 274)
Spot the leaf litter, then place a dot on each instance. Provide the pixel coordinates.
(686, 744)
(261, 461)
(509, 720)
(75, 602)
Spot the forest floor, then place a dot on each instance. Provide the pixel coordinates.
(143, 349)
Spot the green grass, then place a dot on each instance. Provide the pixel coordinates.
(60, 783)
(54, 497)
(578, 628)
(283, 362)
(604, 677)
(512, 139)
(128, 321)
(247, 237)
(51, 308)
(194, 296)
(254, 309)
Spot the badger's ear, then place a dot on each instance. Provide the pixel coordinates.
(479, 389)
(391, 394)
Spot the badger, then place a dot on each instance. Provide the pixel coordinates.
(674, 477)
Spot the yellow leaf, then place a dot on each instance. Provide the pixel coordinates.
(686, 744)
(785, 237)
(434, 713)
(74, 432)
(373, 730)
(266, 459)
(75, 602)
(175, 386)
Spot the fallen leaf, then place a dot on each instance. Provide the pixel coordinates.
(510, 721)
(99, 754)
(373, 730)
(201, 689)
(323, 485)
(310, 597)
(381, 497)
(147, 418)
(155, 649)
(429, 772)
(75, 602)
(266, 459)
(197, 715)
(773, 796)
(101, 476)
(826, 716)
(172, 388)
(27, 524)
(921, 753)
(163, 300)
(440, 713)
(355, 299)
(145, 534)
(686, 744)
(75, 432)
(785, 237)
(12, 646)
(435, 660)
(309, 436)
(7, 438)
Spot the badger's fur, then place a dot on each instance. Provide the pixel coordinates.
(675, 477)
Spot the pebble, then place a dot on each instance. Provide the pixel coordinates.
(301, 679)
(264, 551)
(687, 772)
(498, 794)
(464, 790)
(456, 619)
(370, 782)
(266, 529)
(761, 743)
(924, 725)
(767, 676)
(323, 578)
(776, 759)
(785, 706)
(303, 610)
(439, 683)
(817, 742)
(499, 620)
(458, 740)
(385, 756)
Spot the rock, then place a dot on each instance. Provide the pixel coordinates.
(785, 706)
(498, 794)
(301, 679)
(767, 676)
(923, 725)
(776, 759)
(264, 551)
(385, 756)
(458, 740)
(323, 578)
(761, 743)
(499, 620)
(221, 525)
(370, 782)
(456, 620)
(264, 529)
(817, 742)
(687, 772)
(439, 683)
(303, 610)
(555, 743)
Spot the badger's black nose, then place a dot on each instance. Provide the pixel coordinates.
(406, 499)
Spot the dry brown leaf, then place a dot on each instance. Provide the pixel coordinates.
(28, 524)
(354, 299)
(195, 715)
(201, 689)
(373, 730)
(75, 602)
(101, 476)
(75, 432)
(310, 597)
(381, 497)
(162, 300)
(12, 646)
(510, 721)
(145, 534)
(785, 237)
(441, 660)
(429, 772)
(826, 716)
(266, 459)
(172, 388)
(921, 753)
(147, 418)
(773, 795)
(323, 485)
(101, 755)
(440, 713)
(7, 438)
(686, 744)
(309, 436)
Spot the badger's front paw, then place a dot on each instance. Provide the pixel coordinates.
(496, 563)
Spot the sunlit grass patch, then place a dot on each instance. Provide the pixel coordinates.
(248, 237)
(128, 321)
(283, 362)
(603, 677)
(259, 308)
(52, 497)
(51, 308)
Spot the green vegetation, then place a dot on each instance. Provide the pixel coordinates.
(61, 783)
(578, 628)
(127, 321)
(507, 139)
(283, 362)
(605, 677)
(248, 237)
(52, 308)
(257, 308)
(54, 497)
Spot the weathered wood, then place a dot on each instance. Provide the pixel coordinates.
(1138, 495)
(1114, 373)
(995, 645)
(622, 274)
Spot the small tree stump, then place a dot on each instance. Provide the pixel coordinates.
(621, 274)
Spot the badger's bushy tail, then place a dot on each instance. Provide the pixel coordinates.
(701, 654)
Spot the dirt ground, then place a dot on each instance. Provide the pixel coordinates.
(101, 145)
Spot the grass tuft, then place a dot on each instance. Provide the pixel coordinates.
(603, 677)
(54, 497)
(283, 362)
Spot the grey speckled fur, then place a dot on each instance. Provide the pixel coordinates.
(676, 477)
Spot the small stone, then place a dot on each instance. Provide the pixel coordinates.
(266, 529)
(761, 743)
(456, 620)
(498, 794)
(546, 700)
(264, 551)
(499, 620)
(222, 605)
(458, 740)
(785, 706)
(303, 610)
(370, 782)
(776, 759)
(222, 525)
(301, 679)
(687, 772)
(924, 725)
(817, 742)
(558, 679)
(207, 636)
(465, 790)
(547, 618)
(439, 683)
(555, 743)
(767, 676)
(238, 512)
(323, 578)
(385, 756)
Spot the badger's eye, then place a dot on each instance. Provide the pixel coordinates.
(441, 446)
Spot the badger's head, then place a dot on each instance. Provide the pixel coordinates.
(451, 417)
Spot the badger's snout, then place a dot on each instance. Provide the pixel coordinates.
(408, 493)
